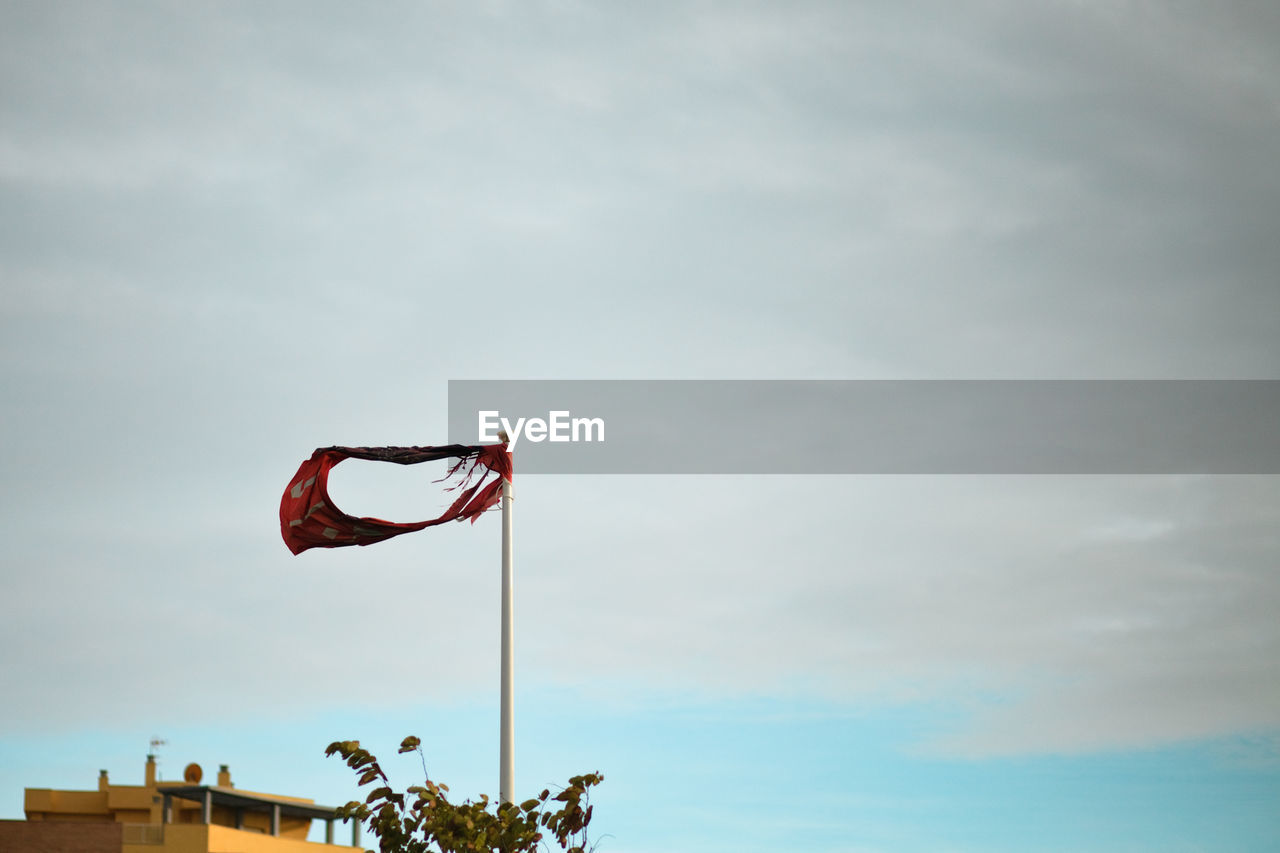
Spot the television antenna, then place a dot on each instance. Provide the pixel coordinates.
(154, 751)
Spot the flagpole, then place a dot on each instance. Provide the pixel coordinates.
(506, 759)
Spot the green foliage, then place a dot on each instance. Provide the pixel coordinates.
(423, 820)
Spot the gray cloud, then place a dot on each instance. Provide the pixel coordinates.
(229, 234)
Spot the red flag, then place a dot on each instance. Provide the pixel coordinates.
(308, 518)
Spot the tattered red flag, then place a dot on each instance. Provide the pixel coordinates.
(308, 518)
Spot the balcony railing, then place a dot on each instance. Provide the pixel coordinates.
(144, 833)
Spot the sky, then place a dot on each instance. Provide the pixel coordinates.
(233, 232)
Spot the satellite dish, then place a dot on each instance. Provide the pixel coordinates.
(193, 773)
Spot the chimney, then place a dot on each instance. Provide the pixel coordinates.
(151, 771)
(102, 780)
(224, 776)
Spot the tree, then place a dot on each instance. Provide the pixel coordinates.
(423, 816)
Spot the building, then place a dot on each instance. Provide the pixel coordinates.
(168, 817)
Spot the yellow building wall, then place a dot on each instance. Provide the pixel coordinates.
(46, 804)
(223, 839)
(185, 833)
(198, 838)
(121, 803)
(133, 804)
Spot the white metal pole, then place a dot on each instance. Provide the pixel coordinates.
(506, 759)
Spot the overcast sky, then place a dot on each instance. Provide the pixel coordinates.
(233, 232)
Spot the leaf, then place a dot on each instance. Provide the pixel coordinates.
(432, 824)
